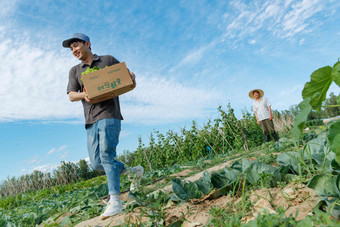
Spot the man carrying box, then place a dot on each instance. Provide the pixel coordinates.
(102, 122)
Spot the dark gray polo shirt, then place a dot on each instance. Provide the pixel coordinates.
(101, 110)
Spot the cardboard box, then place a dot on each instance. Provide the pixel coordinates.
(107, 83)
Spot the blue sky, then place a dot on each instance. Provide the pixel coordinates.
(189, 57)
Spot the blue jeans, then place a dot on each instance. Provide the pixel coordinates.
(102, 139)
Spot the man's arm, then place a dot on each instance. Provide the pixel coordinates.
(257, 119)
(255, 112)
(133, 78)
(77, 96)
(270, 113)
(267, 103)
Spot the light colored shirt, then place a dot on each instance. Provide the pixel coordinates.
(261, 108)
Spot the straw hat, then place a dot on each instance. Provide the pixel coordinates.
(251, 95)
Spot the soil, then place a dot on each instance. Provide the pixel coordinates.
(292, 198)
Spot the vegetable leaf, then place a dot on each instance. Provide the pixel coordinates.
(336, 73)
(334, 139)
(320, 81)
(204, 185)
(90, 70)
(301, 118)
(185, 190)
(179, 190)
(323, 185)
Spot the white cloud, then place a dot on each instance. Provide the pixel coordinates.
(34, 81)
(194, 56)
(124, 133)
(296, 20)
(46, 168)
(160, 100)
(34, 161)
(287, 97)
(56, 150)
(284, 19)
(8, 7)
(62, 155)
(62, 148)
(302, 41)
(86, 159)
(253, 41)
(51, 151)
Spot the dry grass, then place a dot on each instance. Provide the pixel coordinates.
(283, 123)
(38, 180)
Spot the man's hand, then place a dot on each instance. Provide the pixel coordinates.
(270, 117)
(133, 78)
(258, 122)
(86, 97)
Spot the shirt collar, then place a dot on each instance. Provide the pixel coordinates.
(95, 58)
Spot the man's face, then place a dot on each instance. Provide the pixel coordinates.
(80, 50)
(256, 94)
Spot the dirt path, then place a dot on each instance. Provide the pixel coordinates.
(292, 198)
(119, 219)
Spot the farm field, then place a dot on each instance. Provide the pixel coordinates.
(239, 181)
(269, 183)
(233, 201)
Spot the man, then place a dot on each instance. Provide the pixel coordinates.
(263, 113)
(102, 122)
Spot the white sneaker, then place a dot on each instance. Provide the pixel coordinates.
(135, 175)
(112, 209)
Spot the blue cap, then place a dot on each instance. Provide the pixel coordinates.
(75, 36)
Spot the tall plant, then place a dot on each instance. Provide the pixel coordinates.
(313, 94)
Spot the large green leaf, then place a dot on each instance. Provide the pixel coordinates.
(179, 189)
(334, 139)
(224, 190)
(289, 159)
(204, 185)
(301, 118)
(324, 185)
(193, 191)
(219, 180)
(173, 197)
(225, 181)
(253, 173)
(237, 165)
(185, 190)
(232, 174)
(246, 164)
(316, 149)
(320, 81)
(336, 73)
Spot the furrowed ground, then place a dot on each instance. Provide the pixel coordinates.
(293, 198)
(265, 185)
